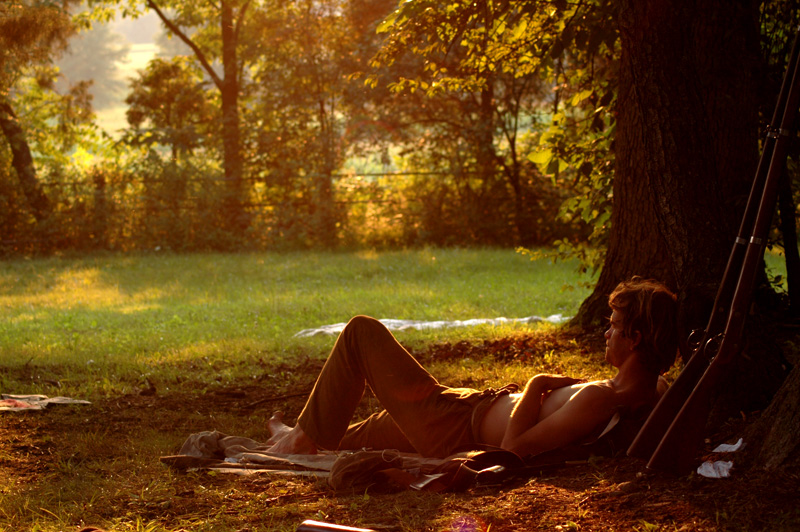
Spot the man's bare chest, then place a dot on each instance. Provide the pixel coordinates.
(554, 400)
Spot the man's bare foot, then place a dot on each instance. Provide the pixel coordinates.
(294, 441)
(277, 428)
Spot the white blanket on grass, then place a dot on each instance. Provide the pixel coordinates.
(16, 403)
(419, 325)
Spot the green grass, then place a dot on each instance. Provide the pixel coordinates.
(103, 324)
(101, 328)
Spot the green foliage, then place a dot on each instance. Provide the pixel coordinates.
(311, 111)
(479, 115)
(60, 132)
(304, 95)
(168, 105)
(30, 33)
(579, 140)
(56, 124)
(35, 118)
(490, 123)
(514, 50)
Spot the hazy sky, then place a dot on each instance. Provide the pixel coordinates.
(142, 30)
(141, 34)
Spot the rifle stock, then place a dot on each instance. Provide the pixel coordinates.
(676, 450)
(659, 420)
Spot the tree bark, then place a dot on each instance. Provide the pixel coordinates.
(22, 161)
(686, 149)
(774, 440)
(231, 138)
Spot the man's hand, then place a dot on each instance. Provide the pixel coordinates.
(546, 381)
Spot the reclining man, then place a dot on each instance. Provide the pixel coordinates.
(433, 420)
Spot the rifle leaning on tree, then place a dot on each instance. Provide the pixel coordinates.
(672, 434)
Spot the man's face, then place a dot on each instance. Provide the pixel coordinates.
(618, 346)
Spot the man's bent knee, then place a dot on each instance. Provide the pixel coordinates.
(364, 323)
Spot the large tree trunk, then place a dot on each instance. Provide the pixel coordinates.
(686, 152)
(324, 201)
(686, 148)
(22, 161)
(774, 441)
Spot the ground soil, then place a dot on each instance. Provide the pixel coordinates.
(600, 494)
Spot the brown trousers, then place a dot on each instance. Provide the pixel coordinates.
(420, 414)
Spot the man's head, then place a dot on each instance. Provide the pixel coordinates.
(649, 311)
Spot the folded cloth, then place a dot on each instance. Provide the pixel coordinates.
(11, 402)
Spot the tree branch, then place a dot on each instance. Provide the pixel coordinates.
(182, 36)
(22, 161)
(240, 20)
(237, 30)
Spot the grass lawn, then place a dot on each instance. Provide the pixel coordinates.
(167, 345)
(102, 325)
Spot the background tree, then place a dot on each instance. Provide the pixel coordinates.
(301, 83)
(213, 31)
(168, 105)
(309, 109)
(30, 33)
(479, 111)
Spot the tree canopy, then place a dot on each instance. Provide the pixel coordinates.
(499, 120)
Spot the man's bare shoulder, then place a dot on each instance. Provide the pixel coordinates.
(601, 398)
(603, 391)
(591, 396)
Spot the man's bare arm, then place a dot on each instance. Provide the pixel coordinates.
(589, 407)
(526, 412)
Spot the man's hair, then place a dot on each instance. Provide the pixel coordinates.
(651, 309)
